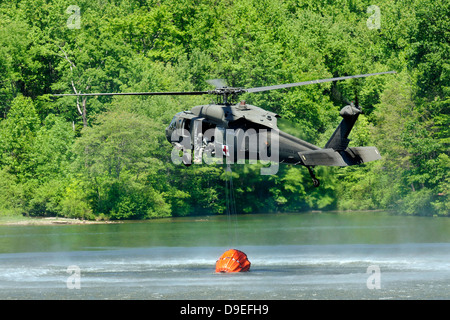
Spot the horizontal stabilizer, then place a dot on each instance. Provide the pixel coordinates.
(348, 157)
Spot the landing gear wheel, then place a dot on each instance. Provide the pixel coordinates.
(187, 159)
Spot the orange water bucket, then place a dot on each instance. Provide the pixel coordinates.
(233, 261)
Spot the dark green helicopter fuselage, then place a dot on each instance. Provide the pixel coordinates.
(236, 126)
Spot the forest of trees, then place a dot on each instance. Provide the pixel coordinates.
(108, 158)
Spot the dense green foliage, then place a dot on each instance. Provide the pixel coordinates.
(107, 157)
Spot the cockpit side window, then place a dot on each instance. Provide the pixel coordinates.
(180, 123)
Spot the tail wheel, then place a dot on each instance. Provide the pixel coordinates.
(316, 182)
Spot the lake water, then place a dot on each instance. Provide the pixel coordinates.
(363, 255)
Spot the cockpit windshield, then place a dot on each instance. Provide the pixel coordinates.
(173, 126)
(173, 123)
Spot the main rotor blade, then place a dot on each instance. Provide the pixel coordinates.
(220, 91)
(187, 93)
(297, 84)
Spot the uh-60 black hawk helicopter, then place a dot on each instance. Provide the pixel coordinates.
(239, 131)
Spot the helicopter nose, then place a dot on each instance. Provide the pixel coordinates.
(169, 134)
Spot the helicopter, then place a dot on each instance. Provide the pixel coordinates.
(244, 133)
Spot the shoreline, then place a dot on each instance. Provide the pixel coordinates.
(47, 221)
(19, 220)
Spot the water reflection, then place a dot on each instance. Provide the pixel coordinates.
(293, 256)
(270, 229)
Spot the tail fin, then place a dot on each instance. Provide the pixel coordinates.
(336, 151)
(339, 140)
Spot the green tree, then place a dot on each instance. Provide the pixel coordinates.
(17, 134)
(115, 156)
(107, 157)
(51, 156)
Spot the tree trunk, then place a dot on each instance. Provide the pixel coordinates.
(84, 113)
